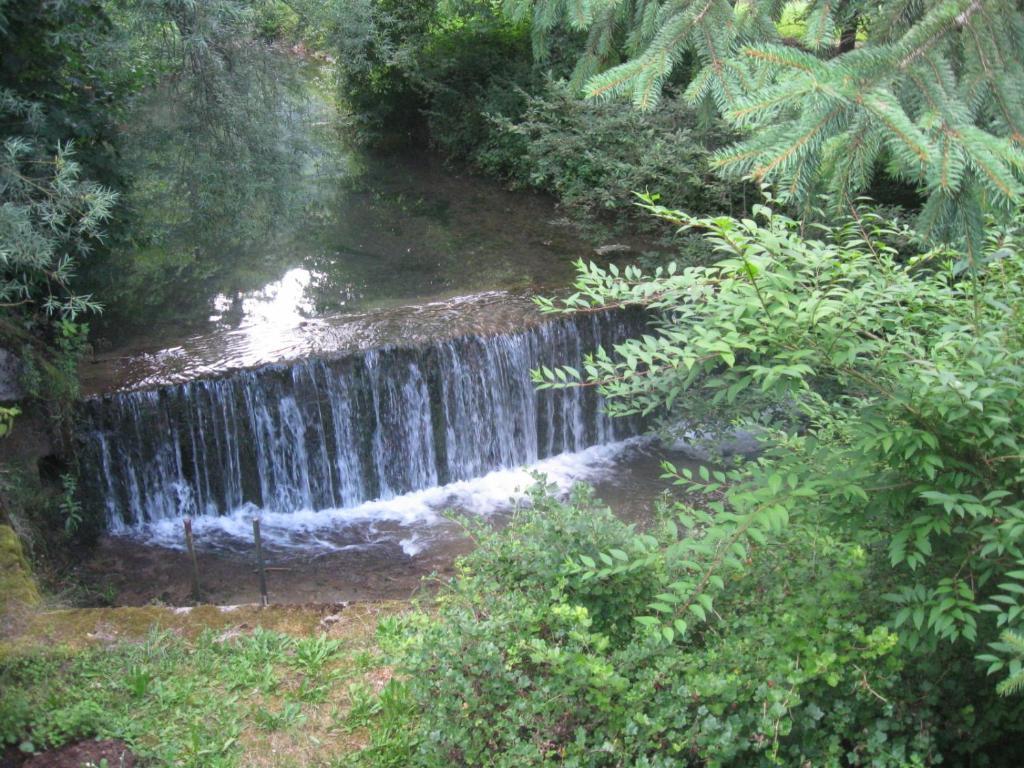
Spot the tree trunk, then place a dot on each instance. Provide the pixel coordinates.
(848, 38)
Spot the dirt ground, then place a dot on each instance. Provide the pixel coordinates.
(77, 628)
(84, 754)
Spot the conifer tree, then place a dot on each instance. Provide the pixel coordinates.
(931, 93)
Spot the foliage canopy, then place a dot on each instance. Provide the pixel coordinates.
(929, 92)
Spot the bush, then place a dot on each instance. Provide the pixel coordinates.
(595, 156)
(905, 374)
(548, 535)
(468, 84)
(467, 74)
(528, 663)
(377, 44)
(853, 597)
(275, 20)
(891, 383)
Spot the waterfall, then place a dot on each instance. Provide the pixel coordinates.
(333, 433)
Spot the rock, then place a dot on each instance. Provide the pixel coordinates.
(329, 621)
(610, 248)
(11, 389)
(708, 446)
(104, 634)
(741, 443)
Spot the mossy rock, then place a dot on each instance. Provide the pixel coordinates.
(17, 587)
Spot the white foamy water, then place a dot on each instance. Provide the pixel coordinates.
(323, 434)
(412, 521)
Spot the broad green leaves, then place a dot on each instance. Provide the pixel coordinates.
(892, 390)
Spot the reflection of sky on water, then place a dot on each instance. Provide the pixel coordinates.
(264, 322)
(283, 303)
(279, 328)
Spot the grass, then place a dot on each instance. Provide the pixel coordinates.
(208, 688)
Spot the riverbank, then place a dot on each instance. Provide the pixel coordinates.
(280, 686)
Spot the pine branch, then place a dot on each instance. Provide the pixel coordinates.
(812, 133)
(886, 109)
(820, 27)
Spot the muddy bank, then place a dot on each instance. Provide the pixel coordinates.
(127, 572)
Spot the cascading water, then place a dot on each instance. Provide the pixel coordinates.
(328, 434)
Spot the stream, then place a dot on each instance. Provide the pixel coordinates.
(346, 367)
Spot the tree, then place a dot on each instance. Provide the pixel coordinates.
(55, 102)
(931, 93)
(49, 219)
(59, 108)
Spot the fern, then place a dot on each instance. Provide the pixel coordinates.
(1011, 659)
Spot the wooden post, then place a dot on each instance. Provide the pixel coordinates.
(196, 593)
(259, 560)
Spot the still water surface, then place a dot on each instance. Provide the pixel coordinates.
(321, 248)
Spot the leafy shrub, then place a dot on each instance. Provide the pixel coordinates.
(595, 156)
(905, 373)
(844, 600)
(275, 20)
(376, 42)
(550, 534)
(466, 82)
(516, 670)
(468, 73)
(50, 218)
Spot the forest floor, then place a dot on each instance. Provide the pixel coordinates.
(208, 686)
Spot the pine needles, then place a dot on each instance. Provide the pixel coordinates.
(931, 94)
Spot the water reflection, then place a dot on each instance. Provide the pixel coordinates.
(283, 303)
(282, 329)
(243, 263)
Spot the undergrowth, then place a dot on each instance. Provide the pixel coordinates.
(221, 699)
(534, 659)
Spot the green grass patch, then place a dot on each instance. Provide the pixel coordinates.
(210, 697)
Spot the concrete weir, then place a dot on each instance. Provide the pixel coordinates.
(332, 433)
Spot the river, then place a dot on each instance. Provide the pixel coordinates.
(343, 353)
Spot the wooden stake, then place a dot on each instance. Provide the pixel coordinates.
(196, 594)
(259, 560)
